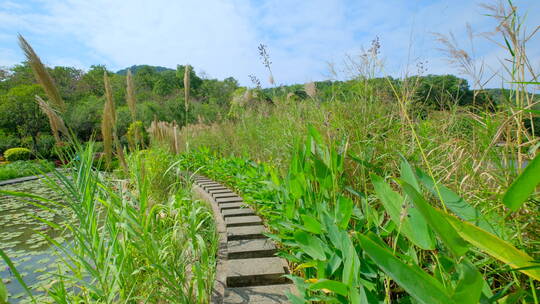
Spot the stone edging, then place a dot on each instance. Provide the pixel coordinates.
(247, 270)
(19, 180)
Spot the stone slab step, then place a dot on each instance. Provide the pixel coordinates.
(203, 184)
(270, 294)
(212, 186)
(236, 221)
(254, 272)
(237, 212)
(219, 191)
(215, 188)
(228, 194)
(221, 200)
(249, 249)
(245, 233)
(228, 206)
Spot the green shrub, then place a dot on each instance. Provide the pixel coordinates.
(15, 154)
(45, 146)
(8, 141)
(23, 168)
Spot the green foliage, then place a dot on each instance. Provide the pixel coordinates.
(45, 146)
(142, 246)
(344, 248)
(136, 135)
(7, 141)
(23, 168)
(15, 154)
(20, 114)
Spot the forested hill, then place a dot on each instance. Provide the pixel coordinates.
(135, 68)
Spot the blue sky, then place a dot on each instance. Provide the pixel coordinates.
(220, 37)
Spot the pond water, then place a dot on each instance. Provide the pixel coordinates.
(21, 238)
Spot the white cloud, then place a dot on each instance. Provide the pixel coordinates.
(221, 37)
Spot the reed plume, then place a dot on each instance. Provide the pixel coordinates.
(42, 76)
(56, 122)
(108, 120)
(108, 127)
(187, 83)
(131, 96)
(165, 133)
(311, 89)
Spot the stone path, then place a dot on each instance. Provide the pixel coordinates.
(248, 270)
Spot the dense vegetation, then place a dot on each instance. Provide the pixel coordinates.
(414, 190)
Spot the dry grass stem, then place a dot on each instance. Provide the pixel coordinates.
(130, 95)
(42, 76)
(56, 122)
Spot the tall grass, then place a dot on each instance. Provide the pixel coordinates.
(124, 247)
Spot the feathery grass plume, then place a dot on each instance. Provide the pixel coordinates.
(56, 122)
(165, 134)
(131, 96)
(106, 133)
(110, 111)
(187, 82)
(42, 76)
(311, 89)
(108, 120)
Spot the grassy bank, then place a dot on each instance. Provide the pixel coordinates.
(134, 238)
(24, 168)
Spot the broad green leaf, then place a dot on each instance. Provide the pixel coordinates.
(456, 203)
(3, 293)
(311, 224)
(523, 186)
(494, 246)
(333, 286)
(419, 233)
(469, 287)
(310, 244)
(344, 211)
(16, 273)
(412, 278)
(437, 222)
(407, 174)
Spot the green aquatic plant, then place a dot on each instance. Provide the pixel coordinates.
(122, 248)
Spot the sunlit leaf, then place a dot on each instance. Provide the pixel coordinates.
(437, 222)
(310, 244)
(523, 186)
(412, 278)
(393, 202)
(494, 246)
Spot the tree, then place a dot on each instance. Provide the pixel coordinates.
(145, 77)
(20, 113)
(166, 83)
(441, 91)
(67, 79)
(195, 81)
(92, 81)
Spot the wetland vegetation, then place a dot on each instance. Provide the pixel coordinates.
(376, 189)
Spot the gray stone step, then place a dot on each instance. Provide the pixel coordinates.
(237, 212)
(208, 184)
(245, 233)
(271, 294)
(228, 206)
(248, 249)
(254, 272)
(236, 221)
(216, 188)
(221, 200)
(223, 195)
(219, 191)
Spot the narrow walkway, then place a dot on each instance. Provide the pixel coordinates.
(247, 270)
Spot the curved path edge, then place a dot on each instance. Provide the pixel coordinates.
(247, 269)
